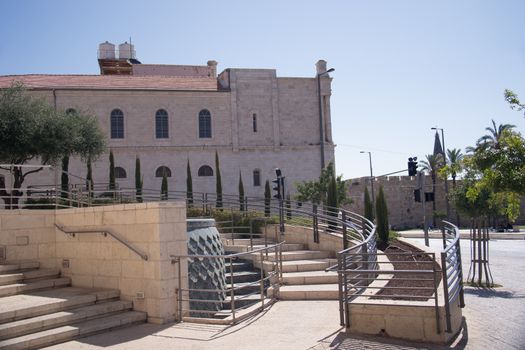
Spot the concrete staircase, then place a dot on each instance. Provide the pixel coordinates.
(39, 308)
(304, 277)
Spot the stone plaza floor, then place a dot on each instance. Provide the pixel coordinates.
(495, 319)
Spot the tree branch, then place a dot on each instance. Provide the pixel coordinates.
(31, 172)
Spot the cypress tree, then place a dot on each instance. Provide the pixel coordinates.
(189, 185)
(218, 184)
(164, 187)
(383, 228)
(111, 171)
(267, 198)
(65, 177)
(241, 193)
(89, 177)
(369, 208)
(332, 202)
(138, 180)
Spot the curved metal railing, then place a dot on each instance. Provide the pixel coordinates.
(452, 269)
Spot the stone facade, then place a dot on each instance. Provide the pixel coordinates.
(96, 261)
(259, 122)
(403, 211)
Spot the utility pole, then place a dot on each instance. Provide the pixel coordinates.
(421, 187)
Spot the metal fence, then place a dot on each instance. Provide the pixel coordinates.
(365, 273)
(452, 269)
(226, 304)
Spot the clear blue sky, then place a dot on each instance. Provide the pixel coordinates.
(402, 67)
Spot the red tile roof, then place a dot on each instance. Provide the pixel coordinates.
(111, 82)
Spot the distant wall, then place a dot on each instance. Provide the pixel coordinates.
(95, 261)
(404, 212)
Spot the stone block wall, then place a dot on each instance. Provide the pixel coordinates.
(97, 261)
(404, 212)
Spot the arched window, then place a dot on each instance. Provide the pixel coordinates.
(71, 111)
(117, 124)
(161, 170)
(161, 124)
(205, 170)
(254, 122)
(257, 177)
(204, 124)
(120, 173)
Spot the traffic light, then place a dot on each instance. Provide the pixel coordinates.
(277, 188)
(412, 166)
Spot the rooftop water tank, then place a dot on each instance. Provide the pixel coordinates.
(126, 51)
(106, 51)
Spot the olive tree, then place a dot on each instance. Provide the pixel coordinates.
(32, 130)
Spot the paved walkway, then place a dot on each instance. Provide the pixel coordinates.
(495, 320)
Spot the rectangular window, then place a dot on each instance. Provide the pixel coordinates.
(254, 118)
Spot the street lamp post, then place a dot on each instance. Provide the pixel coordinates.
(445, 160)
(321, 123)
(371, 174)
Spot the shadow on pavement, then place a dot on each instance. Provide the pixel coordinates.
(344, 341)
(492, 293)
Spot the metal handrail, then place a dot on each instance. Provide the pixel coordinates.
(105, 232)
(231, 290)
(452, 269)
(228, 256)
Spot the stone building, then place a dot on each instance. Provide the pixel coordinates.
(169, 114)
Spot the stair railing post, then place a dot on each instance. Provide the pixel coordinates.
(262, 281)
(315, 224)
(445, 291)
(232, 291)
(345, 241)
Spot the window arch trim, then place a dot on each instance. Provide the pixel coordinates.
(256, 177)
(162, 124)
(120, 173)
(205, 129)
(160, 171)
(117, 124)
(205, 170)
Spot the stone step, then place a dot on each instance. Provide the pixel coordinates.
(241, 301)
(240, 248)
(309, 277)
(237, 266)
(57, 319)
(301, 255)
(244, 288)
(299, 265)
(30, 275)
(243, 276)
(21, 306)
(15, 267)
(70, 332)
(17, 288)
(309, 292)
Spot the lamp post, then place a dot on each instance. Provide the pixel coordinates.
(445, 160)
(321, 123)
(371, 174)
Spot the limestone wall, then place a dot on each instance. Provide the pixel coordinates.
(404, 212)
(98, 261)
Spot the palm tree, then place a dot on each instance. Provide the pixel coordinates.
(454, 159)
(454, 162)
(432, 165)
(493, 138)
